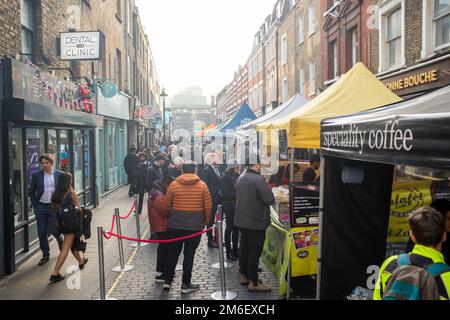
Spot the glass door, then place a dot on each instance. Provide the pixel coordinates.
(78, 163)
(17, 178)
(64, 151)
(88, 166)
(112, 156)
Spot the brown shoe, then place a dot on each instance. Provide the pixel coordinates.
(259, 288)
(244, 280)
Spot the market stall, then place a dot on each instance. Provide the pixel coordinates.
(355, 91)
(364, 156)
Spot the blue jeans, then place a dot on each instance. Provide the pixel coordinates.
(46, 223)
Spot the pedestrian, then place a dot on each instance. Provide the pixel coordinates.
(228, 194)
(443, 207)
(155, 171)
(41, 189)
(211, 176)
(190, 203)
(310, 174)
(131, 166)
(421, 274)
(175, 168)
(253, 200)
(140, 180)
(148, 151)
(69, 217)
(158, 216)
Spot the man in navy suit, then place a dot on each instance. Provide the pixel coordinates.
(43, 184)
(211, 176)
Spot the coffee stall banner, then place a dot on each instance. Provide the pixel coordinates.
(413, 131)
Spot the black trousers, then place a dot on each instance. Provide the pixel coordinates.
(190, 246)
(231, 232)
(212, 220)
(250, 250)
(162, 253)
(141, 202)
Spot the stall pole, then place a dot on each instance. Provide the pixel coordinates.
(319, 254)
(289, 271)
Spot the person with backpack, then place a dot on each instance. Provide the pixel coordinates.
(69, 217)
(131, 166)
(422, 274)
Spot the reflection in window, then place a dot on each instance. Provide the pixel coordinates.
(78, 160)
(64, 154)
(35, 148)
(17, 177)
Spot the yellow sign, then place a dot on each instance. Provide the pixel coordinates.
(406, 197)
(413, 81)
(304, 251)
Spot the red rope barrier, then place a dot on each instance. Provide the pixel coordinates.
(129, 213)
(110, 234)
(113, 223)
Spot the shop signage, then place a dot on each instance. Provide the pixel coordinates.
(28, 83)
(413, 80)
(304, 199)
(109, 90)
(418, 80)
(81, 45)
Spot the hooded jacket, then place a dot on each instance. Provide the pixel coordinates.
(158, 215)
(190, 203)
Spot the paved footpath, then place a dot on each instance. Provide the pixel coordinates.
(30, 282)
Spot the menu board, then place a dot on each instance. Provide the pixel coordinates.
(283, 144)
(304, 201)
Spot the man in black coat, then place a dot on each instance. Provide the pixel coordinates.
(131, 165)
(211, 176)
(155, 171)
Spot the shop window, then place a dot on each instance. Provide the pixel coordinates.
(78, 160)
(17, 176)
(35, 147)
(64, 151)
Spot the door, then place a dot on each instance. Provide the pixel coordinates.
(88, 164)
(112, 154)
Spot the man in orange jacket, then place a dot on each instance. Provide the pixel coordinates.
(190, 203)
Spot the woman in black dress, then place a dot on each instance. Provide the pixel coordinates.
(69, 217)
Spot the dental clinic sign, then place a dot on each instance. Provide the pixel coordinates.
(81, 45)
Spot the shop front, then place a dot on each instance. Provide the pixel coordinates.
(40, 114)
(112, 141)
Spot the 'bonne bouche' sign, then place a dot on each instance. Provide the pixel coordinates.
(80, 45)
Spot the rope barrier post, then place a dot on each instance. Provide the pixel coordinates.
(122, 267)
(101, 262)
(217, 264)
(223, 294)
(138, 227)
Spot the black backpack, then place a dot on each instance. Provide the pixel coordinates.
(68, 216)
(86, 222)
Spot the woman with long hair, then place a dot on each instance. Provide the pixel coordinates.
(69, 217)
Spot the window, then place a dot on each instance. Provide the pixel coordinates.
(119, 69)
(301, 77)
(394, 38)
(301, 29)
(334, 49)
(284, 90)
(27, 21)
(284, 50)
(119, 9)
(261, 94)
(311, 18)
(354, 46)
(442, 21)
(312, 78)
(129, 74)
(392, 35)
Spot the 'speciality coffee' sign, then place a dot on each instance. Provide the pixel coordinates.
(81, 45)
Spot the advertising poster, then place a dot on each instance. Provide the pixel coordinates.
(407, 196)
(33, 154)
(304, 251)
(304, 198)
(275, 252)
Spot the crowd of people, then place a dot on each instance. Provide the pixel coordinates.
(183, 200)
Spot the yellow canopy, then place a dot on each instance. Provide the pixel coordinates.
(356, 91)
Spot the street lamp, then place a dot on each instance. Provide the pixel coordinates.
(164, 95)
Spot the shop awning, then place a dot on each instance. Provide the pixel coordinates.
(355, 91)
(283, 110)
(412, 132)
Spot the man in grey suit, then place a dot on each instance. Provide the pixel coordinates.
(43, 184)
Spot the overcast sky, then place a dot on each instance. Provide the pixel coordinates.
(201, 42)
